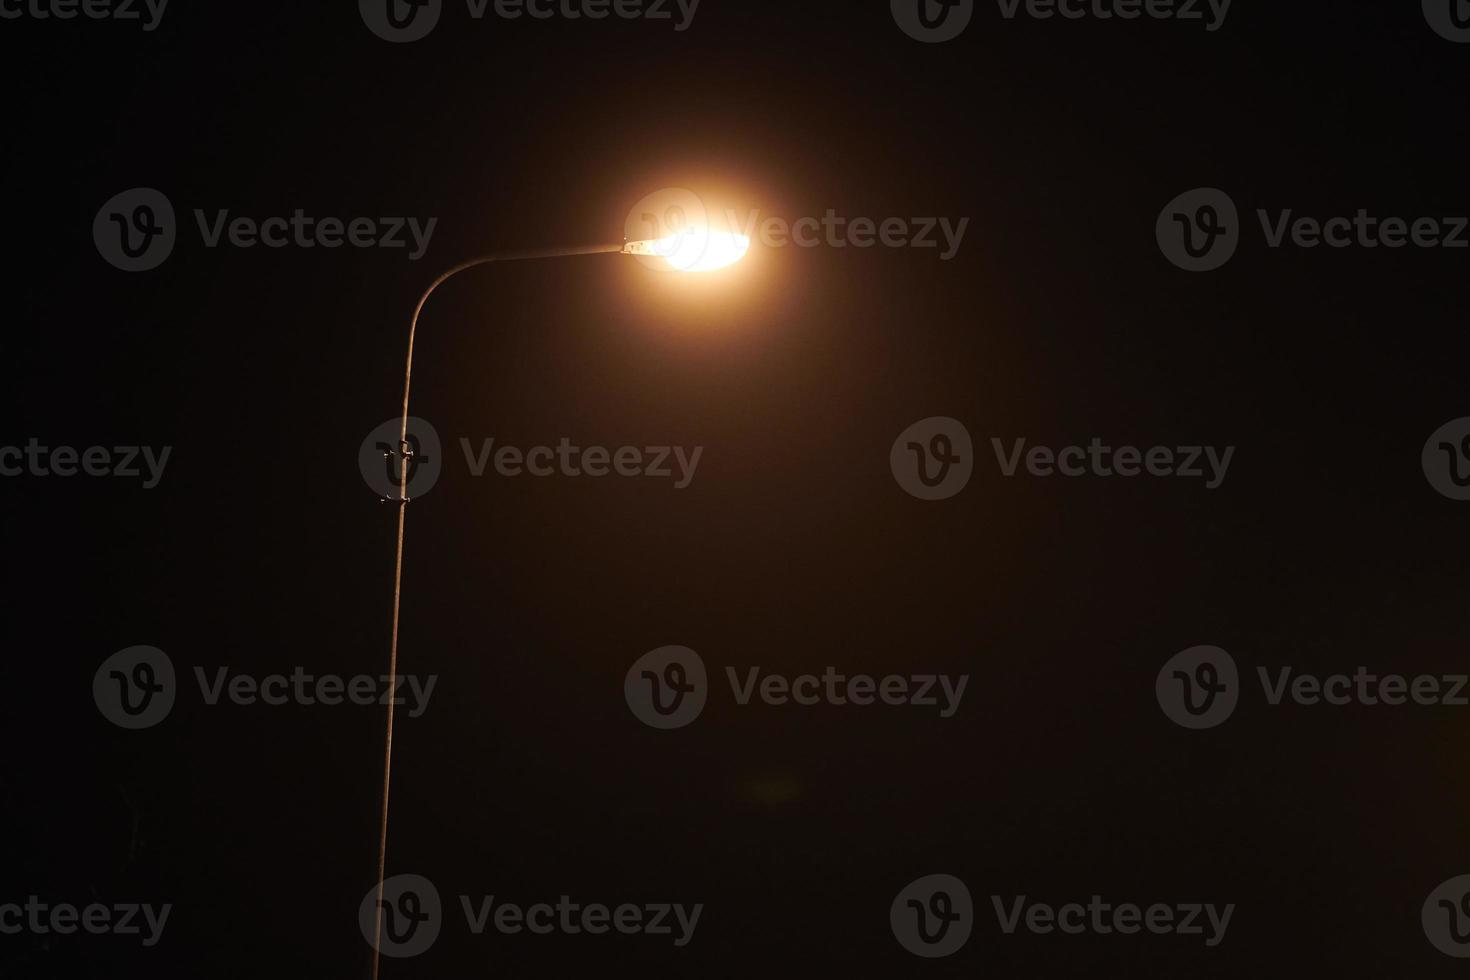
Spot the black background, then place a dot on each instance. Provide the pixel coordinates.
(793, 549)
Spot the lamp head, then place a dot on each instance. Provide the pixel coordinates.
(693, 249)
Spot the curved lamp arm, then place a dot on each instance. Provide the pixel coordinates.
(406, 451)
(544, 253)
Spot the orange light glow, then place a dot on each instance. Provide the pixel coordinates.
(694, 250)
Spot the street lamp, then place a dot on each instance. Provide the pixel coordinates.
(690, 250)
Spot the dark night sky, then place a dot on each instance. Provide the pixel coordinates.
(528, 778)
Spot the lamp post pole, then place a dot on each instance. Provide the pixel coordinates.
(690, 249)
(405, 453)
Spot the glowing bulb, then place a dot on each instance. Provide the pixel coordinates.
(695, 249)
